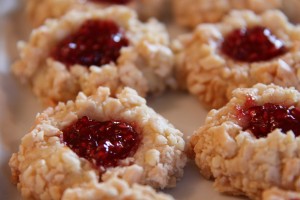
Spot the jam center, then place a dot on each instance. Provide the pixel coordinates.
(261, 120)
(252, 44)
(97, 42)
(102, 143)
(112, 1)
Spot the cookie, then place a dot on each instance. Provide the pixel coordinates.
(190, 13)
(75, 144)
(84, 50)
(242, 50)
(38, 11)
(251, 144)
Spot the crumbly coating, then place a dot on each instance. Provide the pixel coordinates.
(278, 194)
(210, 75)
(190, 13)
(145, 65)
(44, 168)
(240, 163)
(113, 189)
(38, 11)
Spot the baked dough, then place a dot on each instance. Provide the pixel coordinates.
(146, 64)
(46, 168)
(113, 189)
(38, 11)
(239, 162)
(190, 13)
(278, 194)
(210, 75)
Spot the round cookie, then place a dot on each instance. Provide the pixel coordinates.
(242, 50)
(39, 11)
(54, 157)
(251, 144)
(190, 13)
(278, 194)
(117, 50)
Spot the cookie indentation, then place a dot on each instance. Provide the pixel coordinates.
(102, 143)
(262, 120)
(252, 44)
(97, 42)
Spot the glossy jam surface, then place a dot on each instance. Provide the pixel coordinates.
(112, 1)
(252, 45)
(102, 143)
(97, 42)
(261, 120)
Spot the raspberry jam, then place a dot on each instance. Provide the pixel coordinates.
(261, 120)
(102, 143)
(252, 45)
(112, 1)
(97, 42)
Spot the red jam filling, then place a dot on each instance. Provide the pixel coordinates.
(102, 143)
(97, 42)
(261, 120)
(112, 1)
(252, 45)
